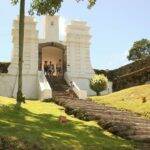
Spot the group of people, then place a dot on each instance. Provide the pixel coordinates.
(49, 68)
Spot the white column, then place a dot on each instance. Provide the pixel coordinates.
(30, 57)
(30, 54)
(79, 68)
(78, 49)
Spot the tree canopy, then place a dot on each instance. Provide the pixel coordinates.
(139, 50)
(98, 83)
(48, 7)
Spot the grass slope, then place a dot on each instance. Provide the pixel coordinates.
(37, 122)
(130, 99)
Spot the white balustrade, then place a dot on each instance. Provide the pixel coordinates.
(82, 94)
(45, 91)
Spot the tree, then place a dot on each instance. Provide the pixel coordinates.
(98, 83)
(39, 7)
(139, 50)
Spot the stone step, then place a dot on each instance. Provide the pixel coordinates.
(142, 132)
(126, 124)
(143, 146)
(142, 138)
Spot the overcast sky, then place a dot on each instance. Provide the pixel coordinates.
(115, 25)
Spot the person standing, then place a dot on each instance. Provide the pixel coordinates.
(71, 92)
(45, 68)
(59, 68)
(50, 69)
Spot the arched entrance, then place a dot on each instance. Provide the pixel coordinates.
(52, 51)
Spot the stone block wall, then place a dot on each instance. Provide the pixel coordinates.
(130, 68)
(133, 74)
(135, 78)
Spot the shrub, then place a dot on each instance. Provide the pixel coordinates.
(98, 83)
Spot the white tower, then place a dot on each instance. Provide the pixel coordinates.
(51, 28)
(30, 59)
(79, 67)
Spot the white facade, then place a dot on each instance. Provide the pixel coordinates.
(79, 67)
(30, 62)
(51, 29)
(77, 52)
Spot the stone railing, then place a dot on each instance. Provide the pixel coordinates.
(81, 94)
(45, 91)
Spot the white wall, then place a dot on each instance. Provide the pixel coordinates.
(83, 83)
(29, 87)
(78, 50)
(82, 94)
(79, 68)
(51, 28)
(7, 84)
(109, 89)
(30, 53)
(30, 58)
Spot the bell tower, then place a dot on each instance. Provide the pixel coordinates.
(51, 28)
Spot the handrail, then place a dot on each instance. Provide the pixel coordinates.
(82, 94)
(74, 84)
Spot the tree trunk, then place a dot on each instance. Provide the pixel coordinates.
(97, 93)
(20, 98)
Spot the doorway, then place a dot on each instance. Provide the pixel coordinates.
(52, 52)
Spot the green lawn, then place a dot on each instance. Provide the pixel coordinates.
(37, 123)
(130, 99)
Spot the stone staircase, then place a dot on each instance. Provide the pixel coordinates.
(57, 84)
(125, 124)
(60, 88)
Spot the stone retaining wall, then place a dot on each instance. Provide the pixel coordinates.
(135, 78)
(133, 74)
(132, 67)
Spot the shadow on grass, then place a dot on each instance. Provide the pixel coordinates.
(48, 133)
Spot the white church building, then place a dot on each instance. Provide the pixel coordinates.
(74, 51)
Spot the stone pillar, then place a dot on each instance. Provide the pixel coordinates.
(78, 49)
(78, 54)
(30, 57)
(30, 54)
